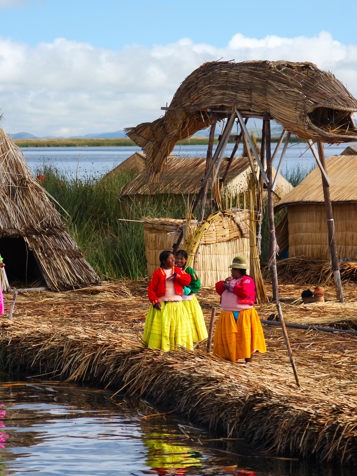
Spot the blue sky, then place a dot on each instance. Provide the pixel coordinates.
(71, 67)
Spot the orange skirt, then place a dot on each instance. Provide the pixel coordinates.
(239, 339)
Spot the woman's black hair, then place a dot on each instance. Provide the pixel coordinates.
(182, 253)
(164, 255)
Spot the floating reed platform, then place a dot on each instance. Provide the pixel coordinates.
(93, 336)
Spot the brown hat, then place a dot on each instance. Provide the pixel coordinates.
(239, 262)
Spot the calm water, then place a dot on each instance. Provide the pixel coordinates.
(93, 162)
(52, 428)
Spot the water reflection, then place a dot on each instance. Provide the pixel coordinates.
(3, 435)
(51, 428)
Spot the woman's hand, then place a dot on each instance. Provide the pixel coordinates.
(227, 282)
(157, 306)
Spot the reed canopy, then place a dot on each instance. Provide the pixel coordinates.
(34, 243)
(306, 215)
(306, 101)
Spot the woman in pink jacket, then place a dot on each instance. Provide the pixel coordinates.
(167, 324)
(239, 333)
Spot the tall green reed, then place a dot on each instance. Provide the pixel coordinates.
(107, 226)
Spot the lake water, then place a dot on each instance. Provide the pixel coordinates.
(93, 162)
(53, 428)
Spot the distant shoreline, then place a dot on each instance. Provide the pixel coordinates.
(112, 142)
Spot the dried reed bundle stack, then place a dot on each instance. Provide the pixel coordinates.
(304, 270)
(27, 212)
(305, 100)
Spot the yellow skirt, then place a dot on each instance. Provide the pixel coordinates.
(198, 325)
(239, 339)
(169, 328)
(162, 454)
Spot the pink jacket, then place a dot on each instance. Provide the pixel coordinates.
(243, 288)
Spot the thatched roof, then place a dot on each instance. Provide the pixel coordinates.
(342, 172)
(136, 163)
(183, 176)
(350, 150)
(27, 213)
(305, 100)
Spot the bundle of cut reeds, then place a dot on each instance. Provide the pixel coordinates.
(304, 270)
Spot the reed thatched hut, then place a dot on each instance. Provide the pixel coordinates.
(34, 243)
(183, 176)
(133, 164)
(306, 214)
(210, 245)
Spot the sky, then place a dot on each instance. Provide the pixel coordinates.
(75, 67)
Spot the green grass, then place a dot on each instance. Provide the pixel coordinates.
(105, 225)
(296, 175)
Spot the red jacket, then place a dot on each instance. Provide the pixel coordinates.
(157, 284)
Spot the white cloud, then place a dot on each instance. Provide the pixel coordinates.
(71, 88)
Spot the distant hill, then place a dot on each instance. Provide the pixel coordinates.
(94, 135)
(104, 135)
(22, 135)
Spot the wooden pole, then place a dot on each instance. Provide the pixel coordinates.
(273, 243)
(210, 329)
(209, 158)
(12, 307)
(330, 225)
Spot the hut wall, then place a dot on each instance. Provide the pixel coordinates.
(212, 260)
(226, 237)
(159, 235)
(308, 234)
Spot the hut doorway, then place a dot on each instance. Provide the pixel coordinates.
(22, 268)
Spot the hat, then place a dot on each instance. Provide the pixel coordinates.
(239, 262)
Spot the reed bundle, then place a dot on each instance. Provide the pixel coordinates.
(305, 270)
(93, 336)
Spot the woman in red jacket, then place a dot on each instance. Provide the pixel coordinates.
(167, 324)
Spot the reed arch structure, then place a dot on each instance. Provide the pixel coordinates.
(307, 102)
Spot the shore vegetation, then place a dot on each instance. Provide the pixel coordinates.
(107, 142)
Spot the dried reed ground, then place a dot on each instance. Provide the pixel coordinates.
(93, 335)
